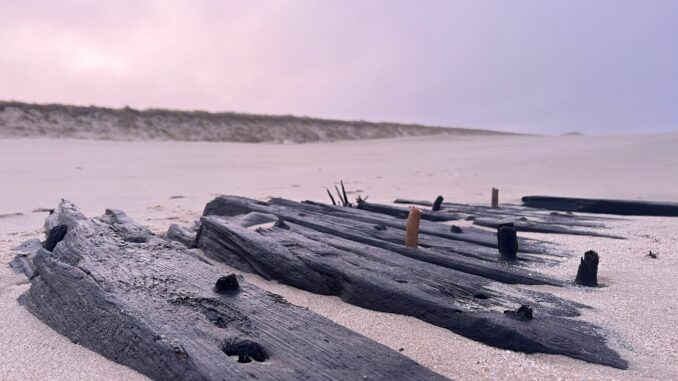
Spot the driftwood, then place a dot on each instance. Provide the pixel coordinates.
(620, 207)
(431, 249)
(320, 256)
(22, 263)
(476, 237)
(183, 234)
(438, 216)
(437, 203)
(587, 273)
(525, 219)
(539, 227)
(115, 288)
(507, 241)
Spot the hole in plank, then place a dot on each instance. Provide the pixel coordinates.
(245, 350)
(55, 235)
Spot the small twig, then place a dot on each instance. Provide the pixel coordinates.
(343, 202)
(359, 199)
(331, 197)
(346, 203)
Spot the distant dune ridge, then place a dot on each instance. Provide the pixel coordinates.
(19, 119)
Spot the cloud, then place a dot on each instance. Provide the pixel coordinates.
(604, 66)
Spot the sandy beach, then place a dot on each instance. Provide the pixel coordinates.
(159, 183)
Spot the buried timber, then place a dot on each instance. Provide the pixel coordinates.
(162, 309)
(453, 280)
(144, 302)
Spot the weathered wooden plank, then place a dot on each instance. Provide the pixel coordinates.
(619, 207)
(514, 211)
(115, 288)
(437, 216)
(380, 279)
(383, 237)
(22, 262)
(537, 227)
(470, 235)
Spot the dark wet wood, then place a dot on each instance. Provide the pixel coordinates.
(429, 215)
(113, 287)
(619, 207)
(587, 273)
(390, 277)
(540, 227)
(525, 219)
(474, 236)
(455, 255)
(507, 239)
(334, 257)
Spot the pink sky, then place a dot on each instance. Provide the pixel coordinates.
(603, 66)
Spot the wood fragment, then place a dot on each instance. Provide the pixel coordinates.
(524, 225)
(469, 258)
(115, 288)
(507, 241)
(437, 203)
(308, 257)
(412, 232)
(619, 207)
(331, 197)
(587, 273)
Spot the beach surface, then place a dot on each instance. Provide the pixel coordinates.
(160, 183)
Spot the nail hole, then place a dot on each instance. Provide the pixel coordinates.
(245, 350)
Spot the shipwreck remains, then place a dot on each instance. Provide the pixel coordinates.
(587, 273)
(524, 219)
(455, 279)
(112, 286)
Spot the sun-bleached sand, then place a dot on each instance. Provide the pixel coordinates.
(159, 183)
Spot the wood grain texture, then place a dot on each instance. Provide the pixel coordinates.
(328, 255)
(115, 288)
(524, 218)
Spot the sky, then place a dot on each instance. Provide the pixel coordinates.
(540, 66)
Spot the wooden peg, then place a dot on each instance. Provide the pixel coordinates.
(412, 232)
(437, 203)
(495, 198)
(587, 274)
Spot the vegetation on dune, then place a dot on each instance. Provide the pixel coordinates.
(18, 119)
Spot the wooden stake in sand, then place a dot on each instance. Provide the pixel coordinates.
(495, 198)
(587, 274)
(507, 241)
(412, 232)
(437, 203)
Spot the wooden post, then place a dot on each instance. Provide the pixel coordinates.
(437, 203)
(587, 274)
(412, 232)
(495, 198)
(507, 241)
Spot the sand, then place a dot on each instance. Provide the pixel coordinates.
(635, 306)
